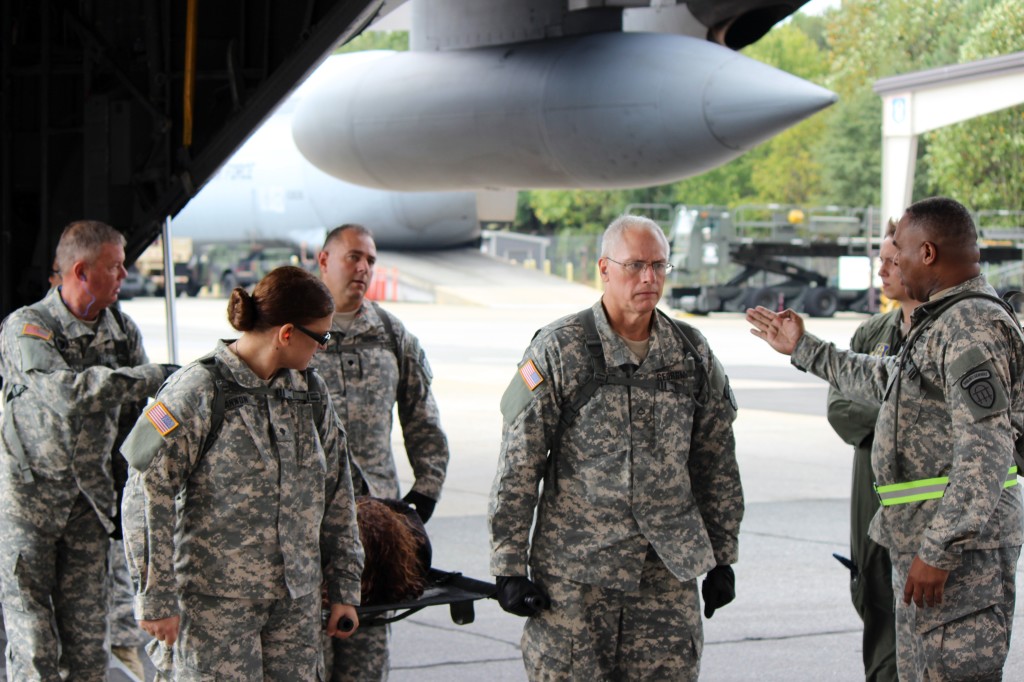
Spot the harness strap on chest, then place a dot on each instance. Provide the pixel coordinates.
(226, 391)
(932, 314)
(338, 342)
(601, 377)
(925, 489)
(8, 431)
(60, 341)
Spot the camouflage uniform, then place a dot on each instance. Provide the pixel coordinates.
(933, 424)
(642, 496)
(366, 377)
(61, 409)
(232, 538)
(871, 583)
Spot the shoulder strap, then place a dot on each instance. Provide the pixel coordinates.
(933, 314)
(60, 341)
(949, 302)
(120, 345)
(388, 327)
(600, 377)
(337, 343)
(226, 394)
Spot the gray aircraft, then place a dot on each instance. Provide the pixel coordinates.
(268, 190)
(423, 146)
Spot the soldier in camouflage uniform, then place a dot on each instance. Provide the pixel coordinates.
(871, 573)
(641, 490)
(944, 447)
(63, 390)
(226, 528)
(372, 363)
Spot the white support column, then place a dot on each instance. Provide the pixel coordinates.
(915, 103)
(899, 156)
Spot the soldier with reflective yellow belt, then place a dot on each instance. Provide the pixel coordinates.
(871, 570)
(943, 458)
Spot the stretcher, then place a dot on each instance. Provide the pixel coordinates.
(443, 587)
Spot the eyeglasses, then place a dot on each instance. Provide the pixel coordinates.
(636, 267)
(321, 339)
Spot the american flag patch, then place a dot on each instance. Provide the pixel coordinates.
(162, 420)
(528, 371)
(37, 331)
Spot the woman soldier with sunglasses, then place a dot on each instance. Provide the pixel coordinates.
(240, 492)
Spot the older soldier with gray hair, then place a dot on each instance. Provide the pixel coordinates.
(69, 363)
(943, 457)
(626, 415)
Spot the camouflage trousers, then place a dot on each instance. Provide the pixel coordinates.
(363, 657)
(594, 633)
(247, 639)
(967, 637)
(53, 568)
(124, 629)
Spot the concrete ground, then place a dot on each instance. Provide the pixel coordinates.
(792, 618)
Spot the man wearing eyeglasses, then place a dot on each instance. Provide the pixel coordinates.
(370, 363)
(626, 415)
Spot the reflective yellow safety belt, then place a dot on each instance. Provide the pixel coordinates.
(925, 489)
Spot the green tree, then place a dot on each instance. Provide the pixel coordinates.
(786, 169)
(981, 161)
(376, 40)
(871, 39)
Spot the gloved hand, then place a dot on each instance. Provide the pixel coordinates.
(169, 369)
(519, 596)
(423, 505)
(718, 589)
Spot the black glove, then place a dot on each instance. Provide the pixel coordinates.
(423, 505)
(519, 596)
(169, 369)
(718, 589)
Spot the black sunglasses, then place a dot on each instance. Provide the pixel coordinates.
(321, 339)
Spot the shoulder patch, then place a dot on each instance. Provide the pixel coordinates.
(880, 350)
(531, 377)
(978, 382)
(37, 331)
(161, 418)
(143, 444)
(519, 393)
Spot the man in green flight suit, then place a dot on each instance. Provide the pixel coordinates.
(871, 573)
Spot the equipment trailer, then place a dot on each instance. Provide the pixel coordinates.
(817, 260)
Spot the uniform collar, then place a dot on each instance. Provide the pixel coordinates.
(239, 372)
(617, 353)
(72, 327)
(977, 283)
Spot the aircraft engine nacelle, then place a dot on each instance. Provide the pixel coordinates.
(605, 110)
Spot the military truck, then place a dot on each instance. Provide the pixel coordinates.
(814, 259)
(150, 265)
